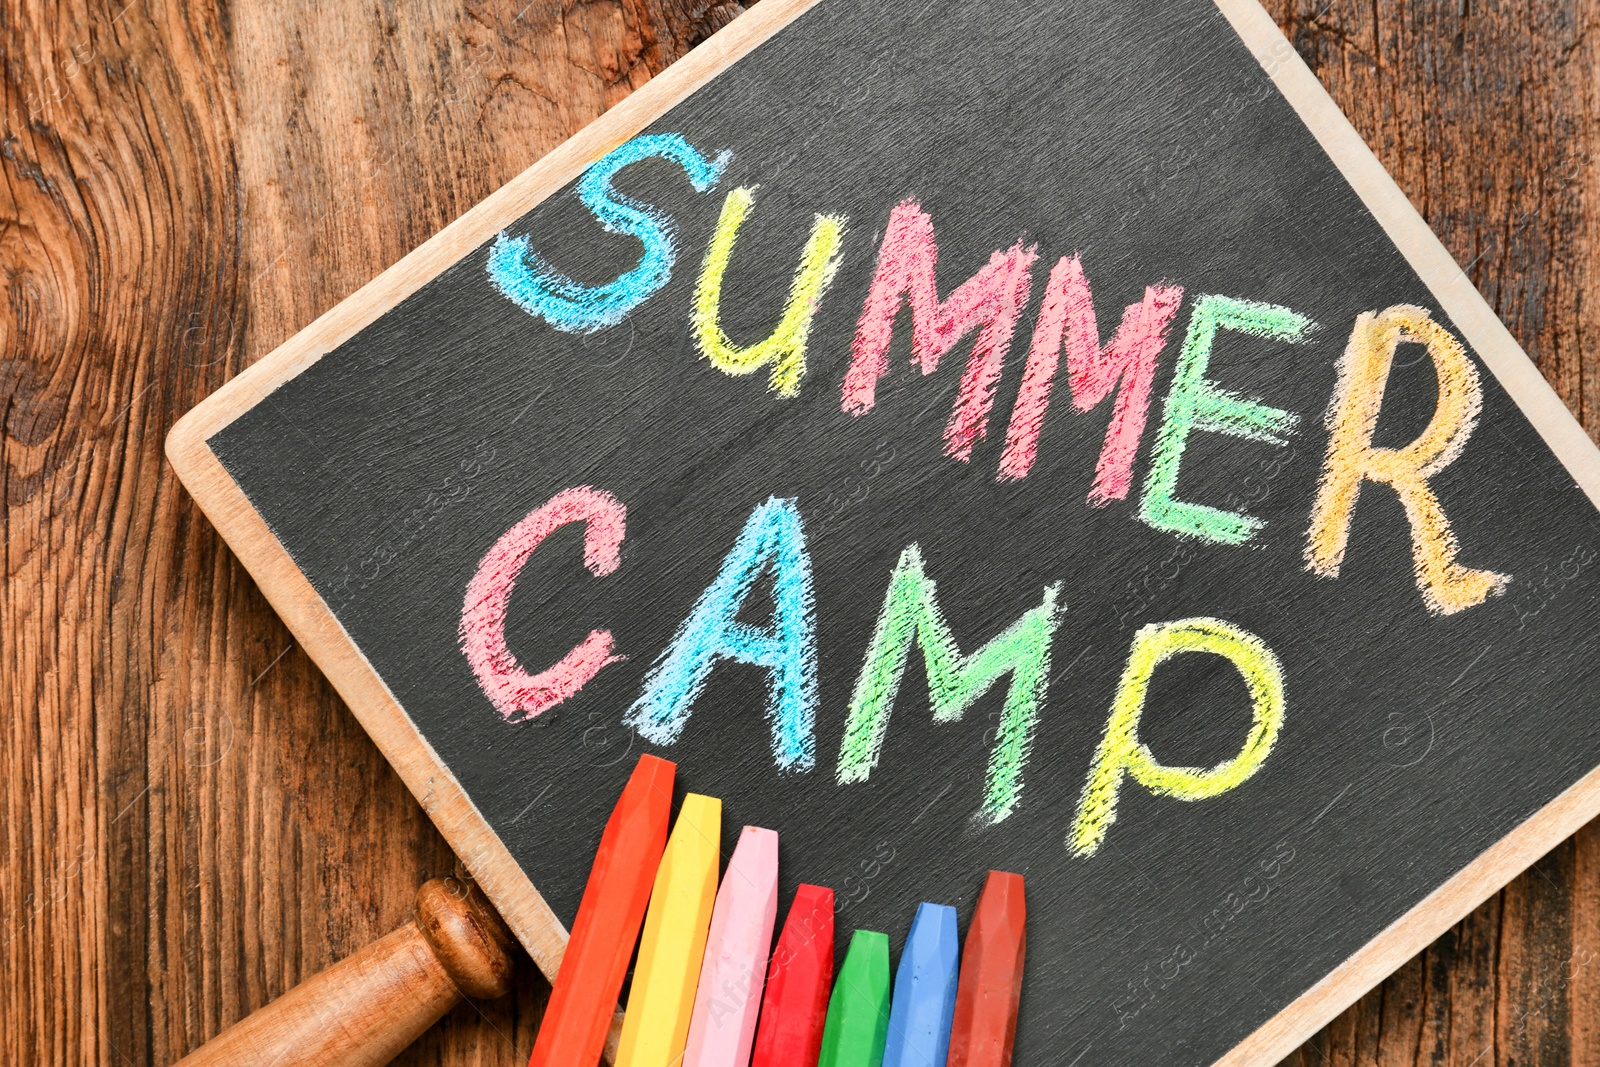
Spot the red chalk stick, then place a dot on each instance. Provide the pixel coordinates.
(584, 996)
(795, 1005)
(990, 988)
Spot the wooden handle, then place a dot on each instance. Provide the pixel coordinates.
(363, 1010)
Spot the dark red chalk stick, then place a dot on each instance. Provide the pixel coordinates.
(583, 998)
(795, 1005)
(990, 987)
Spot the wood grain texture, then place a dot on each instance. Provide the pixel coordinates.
(191, 821)
(365, 1009)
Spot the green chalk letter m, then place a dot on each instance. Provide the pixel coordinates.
(910, 613)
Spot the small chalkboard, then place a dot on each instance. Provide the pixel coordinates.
(1021, 436)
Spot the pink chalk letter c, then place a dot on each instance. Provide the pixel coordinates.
(516, 694)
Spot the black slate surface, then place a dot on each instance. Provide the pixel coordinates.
(1144, 136)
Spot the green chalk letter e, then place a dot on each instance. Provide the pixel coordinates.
(910, 613)
(1196, 403)
(1121, 752)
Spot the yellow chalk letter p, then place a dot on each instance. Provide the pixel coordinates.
(1121, 752)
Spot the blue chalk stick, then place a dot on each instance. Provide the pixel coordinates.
(925, 991)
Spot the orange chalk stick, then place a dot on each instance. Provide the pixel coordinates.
(990, 989)
(584, 995)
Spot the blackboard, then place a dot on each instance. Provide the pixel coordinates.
(1399, 732)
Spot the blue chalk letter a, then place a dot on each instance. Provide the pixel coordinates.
(772, 538)
(539, 289)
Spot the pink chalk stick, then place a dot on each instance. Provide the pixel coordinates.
(723, 1026)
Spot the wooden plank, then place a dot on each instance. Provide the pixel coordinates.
(182, 202)
(173, 859)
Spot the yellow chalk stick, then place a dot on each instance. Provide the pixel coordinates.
(661, 1002)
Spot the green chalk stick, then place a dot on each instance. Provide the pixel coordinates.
(858, 1012)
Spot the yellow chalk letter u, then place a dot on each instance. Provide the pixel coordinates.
(785, 347)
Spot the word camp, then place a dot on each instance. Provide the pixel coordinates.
(987, 308)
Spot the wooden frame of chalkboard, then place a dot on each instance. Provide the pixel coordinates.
(318, 630)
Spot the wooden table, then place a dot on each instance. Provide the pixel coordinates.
(192, 822)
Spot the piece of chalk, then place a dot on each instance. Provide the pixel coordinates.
(728, 998)
(794, 1007)
(858, 1011)
(925, 990)
(661, 1000)
(583, 998)
(990, 990)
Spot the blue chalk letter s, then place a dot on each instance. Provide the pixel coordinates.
(539, 289)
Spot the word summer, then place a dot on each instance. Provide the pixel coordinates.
(1122, 370)
(772, 547)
